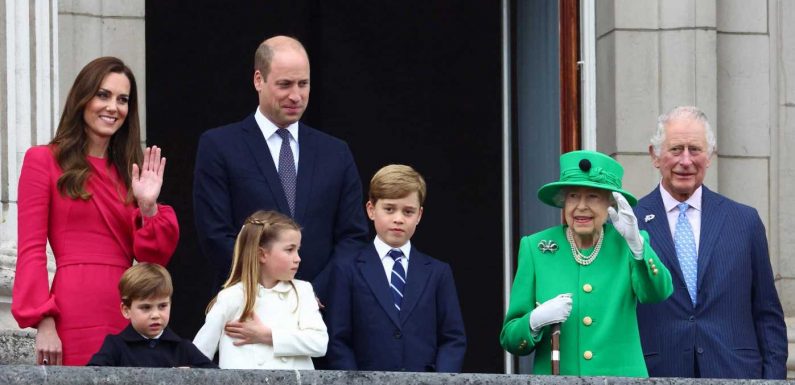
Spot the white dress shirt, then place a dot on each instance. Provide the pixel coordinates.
(383, 249)
(693, 212)
(293, 315)
(274, 140)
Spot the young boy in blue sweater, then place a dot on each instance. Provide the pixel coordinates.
(147, 342)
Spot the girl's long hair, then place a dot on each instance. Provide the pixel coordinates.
(70, 144)
(259, 230)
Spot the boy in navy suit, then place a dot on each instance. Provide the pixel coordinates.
(392, 307)
(146, 301)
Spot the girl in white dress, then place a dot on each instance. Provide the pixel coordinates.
(263, 318)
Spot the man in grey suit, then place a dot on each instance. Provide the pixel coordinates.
(724, 319)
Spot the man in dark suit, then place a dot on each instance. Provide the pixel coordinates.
(724, 319)
(271, 161)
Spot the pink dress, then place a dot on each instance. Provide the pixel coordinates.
(94, 241)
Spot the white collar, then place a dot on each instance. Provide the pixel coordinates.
(280, 287)
(269, 129)
(382, 248)
(153, 338)
(671, 203)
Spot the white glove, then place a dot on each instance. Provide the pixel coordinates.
(556, 310)
(626, 224)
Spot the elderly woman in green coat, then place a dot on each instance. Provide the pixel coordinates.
(586, 275)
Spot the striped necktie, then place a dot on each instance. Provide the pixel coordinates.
(397, 280)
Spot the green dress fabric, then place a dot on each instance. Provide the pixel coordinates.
(607, 291)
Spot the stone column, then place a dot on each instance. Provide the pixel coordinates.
(782, 169)
(651, 55)
(29, 101)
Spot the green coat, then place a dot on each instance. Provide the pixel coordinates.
(607, 291)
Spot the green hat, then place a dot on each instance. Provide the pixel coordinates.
(586, 169)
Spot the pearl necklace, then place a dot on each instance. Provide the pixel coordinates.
(584, 260)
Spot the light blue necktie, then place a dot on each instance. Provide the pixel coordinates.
(287, 172)
(686, 251)
(397, 280)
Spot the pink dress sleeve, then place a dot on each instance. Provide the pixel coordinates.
(32, 300)
(155, 237)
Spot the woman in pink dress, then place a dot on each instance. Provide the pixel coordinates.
(93, 194)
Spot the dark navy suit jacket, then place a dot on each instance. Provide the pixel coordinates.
(129, 348)
(736, 329)
(366, 332)
(235, 176)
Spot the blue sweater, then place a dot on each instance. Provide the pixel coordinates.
(129, 348)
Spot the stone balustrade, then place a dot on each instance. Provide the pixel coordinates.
(16, 357)
(29, 375)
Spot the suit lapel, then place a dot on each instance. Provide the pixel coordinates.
(306, 169)
(660, 233)
(712, 220)
(416, 281)
(371, 268)
(261, 154)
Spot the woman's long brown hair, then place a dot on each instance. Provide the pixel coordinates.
(259, 230)
(70, 143)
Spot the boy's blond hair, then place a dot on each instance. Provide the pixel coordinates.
(396, 181)
(145, 280)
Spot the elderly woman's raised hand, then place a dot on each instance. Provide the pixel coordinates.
(555, 310)
(626, 224)
(147, 180)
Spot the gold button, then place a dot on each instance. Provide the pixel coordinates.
(587, 321)
(587, 288)
(651, 260)
(655, 271)
(587, 355)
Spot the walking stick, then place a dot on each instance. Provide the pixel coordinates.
(555, 349)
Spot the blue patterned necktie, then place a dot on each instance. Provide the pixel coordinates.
(686, 251)
(287, 169)
(397, 280)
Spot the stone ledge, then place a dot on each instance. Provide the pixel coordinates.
(17, 353)
(27, 374)
(17, 347)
